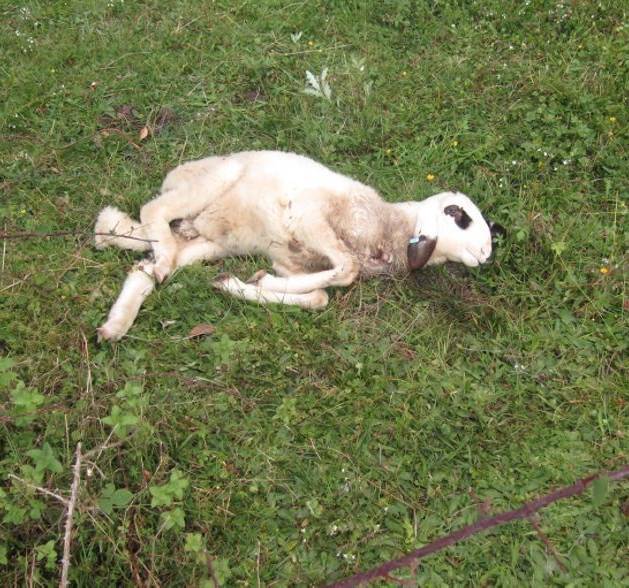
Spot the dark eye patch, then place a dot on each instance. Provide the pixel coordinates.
(461, 218)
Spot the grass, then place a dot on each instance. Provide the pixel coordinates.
(296, 447)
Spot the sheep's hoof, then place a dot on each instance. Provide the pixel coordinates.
(109, 332)
(318, 299)
(161, 270)
(255, 278)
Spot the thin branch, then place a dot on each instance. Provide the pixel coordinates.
(211, 572)
(40, 489)
(67, 538)
(97, 451)
(126, 237)
(524, 512)
(32, 235)
(534, 520)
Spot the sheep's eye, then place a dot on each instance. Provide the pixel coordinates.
(461, 218)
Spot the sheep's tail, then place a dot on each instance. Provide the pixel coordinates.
(116, 228)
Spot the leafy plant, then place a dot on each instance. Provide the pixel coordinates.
(172, 490)
(121, 420)
(173, 519)
(128, 414)
(45, 459)
(112, 497)
(47, 553)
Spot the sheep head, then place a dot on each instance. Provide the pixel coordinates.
(450, 227)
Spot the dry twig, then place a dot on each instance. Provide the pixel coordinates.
(67, 538)
(40, 489)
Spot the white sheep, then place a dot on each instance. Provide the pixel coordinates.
(318, 227)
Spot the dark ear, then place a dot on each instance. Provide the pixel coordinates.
(496, 230)
(419, 251)
(461, 218)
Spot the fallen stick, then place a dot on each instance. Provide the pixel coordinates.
(524, 512)
(67, 538)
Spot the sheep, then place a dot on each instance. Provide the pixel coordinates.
(319, 228)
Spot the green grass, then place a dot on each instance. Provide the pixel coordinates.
(297, 447)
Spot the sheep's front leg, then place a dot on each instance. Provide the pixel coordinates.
(138, 285)
(314, 299)
(343, 274)
(296, 283)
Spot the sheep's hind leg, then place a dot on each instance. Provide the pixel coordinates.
(156, 216)
(138, 285)
(186, 191)
(315, 299)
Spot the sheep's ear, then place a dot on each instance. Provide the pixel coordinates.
(497, 230)
(419, 251)
(461, 218)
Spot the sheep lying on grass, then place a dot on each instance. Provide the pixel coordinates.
(318, 227)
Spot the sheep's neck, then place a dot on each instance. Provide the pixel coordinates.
(388, 254)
